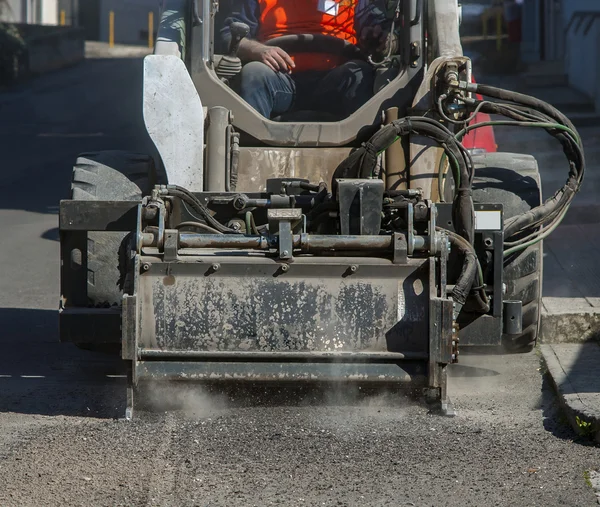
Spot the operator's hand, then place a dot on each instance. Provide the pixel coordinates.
(274, 57)
(373, 38)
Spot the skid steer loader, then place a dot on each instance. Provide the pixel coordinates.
(308, 248)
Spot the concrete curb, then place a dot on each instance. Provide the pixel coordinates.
(567, 377)
(578, 326)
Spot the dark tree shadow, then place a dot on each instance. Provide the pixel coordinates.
(47, 122)
(39, 375)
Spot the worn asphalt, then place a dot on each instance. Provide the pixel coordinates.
(61, 442)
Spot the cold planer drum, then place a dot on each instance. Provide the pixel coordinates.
(295, 284)
(287, 300)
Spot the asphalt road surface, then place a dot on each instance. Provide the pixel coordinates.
(61, 442)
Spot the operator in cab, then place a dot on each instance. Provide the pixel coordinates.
(274, 82)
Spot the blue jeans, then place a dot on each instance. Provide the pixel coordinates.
(340, 91)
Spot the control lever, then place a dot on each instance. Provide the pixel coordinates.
(238, 32)
(230, 65)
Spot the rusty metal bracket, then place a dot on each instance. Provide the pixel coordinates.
(161, 225)
(286, 219)
(171, 245)
(411, 229)
(400, 255)
(434, 237)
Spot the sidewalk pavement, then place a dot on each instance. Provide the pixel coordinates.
(94, 49)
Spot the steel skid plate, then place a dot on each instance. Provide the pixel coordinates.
(257, 304)
(238, 316)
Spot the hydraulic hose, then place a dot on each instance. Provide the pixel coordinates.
(470, 271)
(527, 111)
(194, 202)
(361, 163)
(526, 100)
(463, 285)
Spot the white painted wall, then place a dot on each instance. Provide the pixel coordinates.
(571, 6)
(582, 52)
(31, 11)
(50, 12)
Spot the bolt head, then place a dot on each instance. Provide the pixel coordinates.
(145, 266)
(285, 253)
(354, 268)
(215, 267)
(285, 268)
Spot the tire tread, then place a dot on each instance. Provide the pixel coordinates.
(514, 181)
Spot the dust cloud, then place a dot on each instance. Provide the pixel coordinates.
(191, 400)
(332, 400)
(477, 372)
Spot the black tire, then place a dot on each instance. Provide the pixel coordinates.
(114, 176)
(513, 180)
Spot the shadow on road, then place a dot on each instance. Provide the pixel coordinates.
(46, 123)
(51, 234)
(39, 375)
(465, 371)
(554, 419)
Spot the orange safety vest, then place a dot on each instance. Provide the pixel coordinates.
(295, 17)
